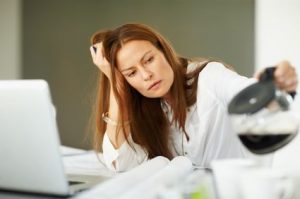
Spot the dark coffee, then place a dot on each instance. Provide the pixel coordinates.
(266, 143)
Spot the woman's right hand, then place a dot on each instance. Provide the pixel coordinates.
(99, 59)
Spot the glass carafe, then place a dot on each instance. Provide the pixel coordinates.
(262, 116)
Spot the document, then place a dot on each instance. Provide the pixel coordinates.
(66, 151)
(118, 185)
(142, 181)
(84, 162)
(169, 176)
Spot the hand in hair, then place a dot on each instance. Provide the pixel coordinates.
(99, 59)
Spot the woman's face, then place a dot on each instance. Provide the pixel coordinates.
(145, 68)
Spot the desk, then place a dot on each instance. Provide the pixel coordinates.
(88, 164)
(191, 178)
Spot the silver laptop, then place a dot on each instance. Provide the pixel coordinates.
(30, 156)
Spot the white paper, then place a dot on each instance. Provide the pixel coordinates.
(115, 187)
(66, 151)
(86, 164)
(169, 176)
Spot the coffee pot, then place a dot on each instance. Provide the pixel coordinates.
(262, 116)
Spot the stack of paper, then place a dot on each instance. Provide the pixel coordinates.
(68, 151)
(143, 181)
(83, 162)
(169, 176)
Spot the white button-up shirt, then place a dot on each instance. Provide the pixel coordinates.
(208, 124)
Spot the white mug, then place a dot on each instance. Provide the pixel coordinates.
(227, 173)
(266, 184)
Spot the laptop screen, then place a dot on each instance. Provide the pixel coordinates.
(29, 139)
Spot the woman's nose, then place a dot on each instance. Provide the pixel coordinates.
(146, 74)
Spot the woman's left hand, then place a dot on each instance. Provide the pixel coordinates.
(285, 76)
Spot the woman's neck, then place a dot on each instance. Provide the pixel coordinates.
(168, 99)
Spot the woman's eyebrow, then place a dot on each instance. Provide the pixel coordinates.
(143, 57)
(127, 69)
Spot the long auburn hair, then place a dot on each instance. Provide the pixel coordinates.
(149, 125)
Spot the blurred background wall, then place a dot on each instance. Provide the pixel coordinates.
(10, 39)
(277, 33)
(55, 35)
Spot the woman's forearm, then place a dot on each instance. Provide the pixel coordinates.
(116, 138)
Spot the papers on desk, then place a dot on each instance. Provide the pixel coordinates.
(152, 179)
(158, 177)
(83, 162)
(115, 187)
(67, 151)
(168, 176)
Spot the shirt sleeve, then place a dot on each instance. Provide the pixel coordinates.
(123, 158)
(223, 82)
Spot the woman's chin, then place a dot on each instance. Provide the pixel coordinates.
(155, 95)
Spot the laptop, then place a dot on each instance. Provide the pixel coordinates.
(30, 155)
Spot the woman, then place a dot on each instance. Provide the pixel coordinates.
(152, 102)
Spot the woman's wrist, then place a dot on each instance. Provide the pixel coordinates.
(108, 120)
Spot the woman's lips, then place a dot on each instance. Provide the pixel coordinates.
(154, 85)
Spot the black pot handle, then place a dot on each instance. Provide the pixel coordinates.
(268, 75)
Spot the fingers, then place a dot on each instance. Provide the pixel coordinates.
(99, 59)
(96, 49)
(288, 84)
(286, 77)
(92, 51)
(97, 55)
(257, 74)
(283, 70)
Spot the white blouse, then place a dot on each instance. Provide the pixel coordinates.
(208, 125)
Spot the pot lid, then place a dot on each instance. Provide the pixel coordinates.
(253, 98)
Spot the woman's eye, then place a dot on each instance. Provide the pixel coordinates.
(149, 60)
(131, 74)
